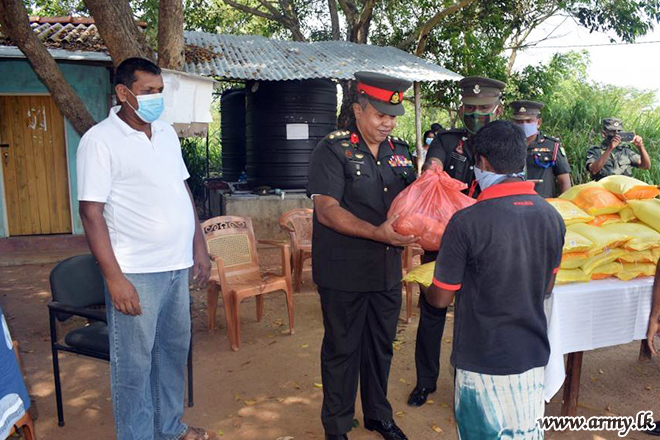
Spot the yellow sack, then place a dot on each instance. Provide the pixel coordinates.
(627, 214)
(635, 270)
(609, 256)
(643, 237)
(606, 270)
(605, 219)
(574, 242)
(600, 237)
(593, 199)
(569, 212)
(629, 188)
(565, 276)
(647, 211)
(573, 260)
(421, 274)
(640, 257)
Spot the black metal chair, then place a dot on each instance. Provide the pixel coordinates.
(77, 288)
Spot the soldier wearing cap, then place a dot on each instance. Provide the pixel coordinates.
(612, 157)
(354, 175)
(547, 164)
(453, 150)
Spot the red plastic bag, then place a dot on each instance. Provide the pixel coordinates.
(425, 207)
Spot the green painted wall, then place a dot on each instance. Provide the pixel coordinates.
(92, 83)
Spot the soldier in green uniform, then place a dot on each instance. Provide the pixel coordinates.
(452, 150)
(547, 164)
(614, 158)
(354, 176)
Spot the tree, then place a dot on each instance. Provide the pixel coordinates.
(122, 37)
(15, 24)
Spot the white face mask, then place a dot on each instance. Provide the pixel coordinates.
(488, 178)
(530, 128)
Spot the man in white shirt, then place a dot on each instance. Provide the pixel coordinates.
(142, 227)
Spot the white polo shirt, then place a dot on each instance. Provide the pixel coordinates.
(147, 208)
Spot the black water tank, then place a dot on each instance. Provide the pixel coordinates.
(232, 122)
(284, 122)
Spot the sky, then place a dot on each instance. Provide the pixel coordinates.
(636, 65)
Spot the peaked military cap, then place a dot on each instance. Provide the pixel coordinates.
(384, 92)
(477, 90)
(523, 109)
(612, 124)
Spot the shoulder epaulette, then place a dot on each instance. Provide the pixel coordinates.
(338, 134)
(454, 132)
(398, 140)
(550, 138)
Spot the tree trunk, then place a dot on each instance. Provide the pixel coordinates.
(334, 19)
(15, 24)
(346, 116)
(171, 53)
(116, 24)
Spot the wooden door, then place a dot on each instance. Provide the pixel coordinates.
(34, 166)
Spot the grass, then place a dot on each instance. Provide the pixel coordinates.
(574, 113)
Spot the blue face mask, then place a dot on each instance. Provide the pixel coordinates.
(150, 107)
(530, 128)
(488, 178)
(428, 141)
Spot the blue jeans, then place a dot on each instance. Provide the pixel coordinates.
(148, 355)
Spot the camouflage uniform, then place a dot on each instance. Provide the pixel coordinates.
(622, 159)
(621, 162)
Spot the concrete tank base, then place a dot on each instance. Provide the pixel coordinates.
(265, 211)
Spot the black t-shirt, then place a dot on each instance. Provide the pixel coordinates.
(343, 168)
(500, 255)
(546, 159)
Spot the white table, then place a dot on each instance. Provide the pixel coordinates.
(586, 316)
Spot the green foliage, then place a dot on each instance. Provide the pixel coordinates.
(194, 155)
(51, 8)
(575, 108)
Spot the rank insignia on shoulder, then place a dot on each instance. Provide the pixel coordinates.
(359, 155)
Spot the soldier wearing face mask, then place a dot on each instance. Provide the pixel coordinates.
(454, 151)
(547, 165)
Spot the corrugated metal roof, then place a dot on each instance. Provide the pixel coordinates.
(251, 57)
(59, 54)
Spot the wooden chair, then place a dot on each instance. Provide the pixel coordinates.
(25, 424)
(297, 223)
(408, 263)
(232, 246)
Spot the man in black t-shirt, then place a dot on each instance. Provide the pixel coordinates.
(499, 259)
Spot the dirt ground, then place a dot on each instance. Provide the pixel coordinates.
(270, 389)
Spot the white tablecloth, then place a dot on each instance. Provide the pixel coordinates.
(586, 316)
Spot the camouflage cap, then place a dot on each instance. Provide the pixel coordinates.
(384, 92)
(523, 109)
(477, 90)
(612, 124)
